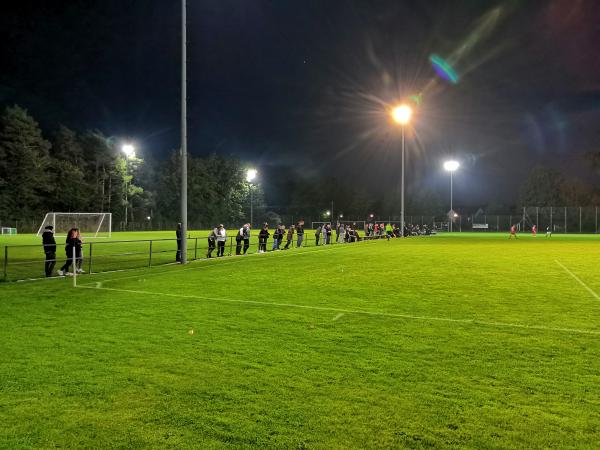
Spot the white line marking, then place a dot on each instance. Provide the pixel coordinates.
(339, 316)
(367, 313)
(578, 280)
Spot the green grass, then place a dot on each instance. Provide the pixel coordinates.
(464, 341)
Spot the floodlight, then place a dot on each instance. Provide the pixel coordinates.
(451, 166)
(129, 150)
(251, 175)
(402, 114)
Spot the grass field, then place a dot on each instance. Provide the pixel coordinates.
(463, 341)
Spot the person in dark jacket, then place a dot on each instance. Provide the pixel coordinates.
(280, 236)
(212, 243)
(290, 236)
(179, 238)
(300, 233)
(318, 234)
(49, 249)
(69, 245)
(263, 236)
(238, 240)
(78, 243)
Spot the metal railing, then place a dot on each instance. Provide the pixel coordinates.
(22, 262)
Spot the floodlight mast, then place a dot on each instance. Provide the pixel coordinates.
(184, 218)
(451, 166)
(250, 176)
(129, 151)
(401, 115)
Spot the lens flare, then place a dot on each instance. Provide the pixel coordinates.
(443, 69)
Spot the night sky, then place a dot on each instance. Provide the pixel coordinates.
(305, 85)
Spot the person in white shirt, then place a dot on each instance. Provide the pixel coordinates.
(221, 239)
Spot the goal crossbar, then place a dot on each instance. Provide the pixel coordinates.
(90, 224)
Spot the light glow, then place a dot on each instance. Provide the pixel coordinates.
(251, 175)
(402, 114)
(129, 150)
(451, 166)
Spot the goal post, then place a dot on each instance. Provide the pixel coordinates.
(89, 224)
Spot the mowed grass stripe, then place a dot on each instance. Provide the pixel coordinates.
(409, 277)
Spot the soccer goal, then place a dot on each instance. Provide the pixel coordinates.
(89, 224)
(8, 230)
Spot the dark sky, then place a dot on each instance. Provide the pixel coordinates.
(305, 85)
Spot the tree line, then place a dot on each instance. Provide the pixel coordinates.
(88, 172)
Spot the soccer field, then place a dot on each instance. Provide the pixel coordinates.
(462, 341)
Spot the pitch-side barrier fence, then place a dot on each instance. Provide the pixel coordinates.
(23, 262)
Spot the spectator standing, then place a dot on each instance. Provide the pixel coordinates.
(239, 237)
(69, 245)
(277, 237)
(49, 250)
(78, 243)
(342, 234)
(212, 240)
(221, 239)
(246, 236)
(300, 233)
(318, 234)
(327, 234)
(290, 236)
(178, 237)
(263, 236)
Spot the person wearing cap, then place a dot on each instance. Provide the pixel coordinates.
(49, 245)
(221, 238)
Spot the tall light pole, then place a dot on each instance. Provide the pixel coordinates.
(183, 133)
(250, 176)
(129, 151)
(451, 166)
(401, 115)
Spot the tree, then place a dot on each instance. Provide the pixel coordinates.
(24, 165)
(71, 190)
(99, 166)
(542, 188)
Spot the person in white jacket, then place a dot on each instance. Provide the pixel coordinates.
(342, 235)
(221, 234)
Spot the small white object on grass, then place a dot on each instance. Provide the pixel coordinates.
(191, 332)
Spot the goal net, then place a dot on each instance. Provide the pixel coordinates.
(89, 224)
(9, 230)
